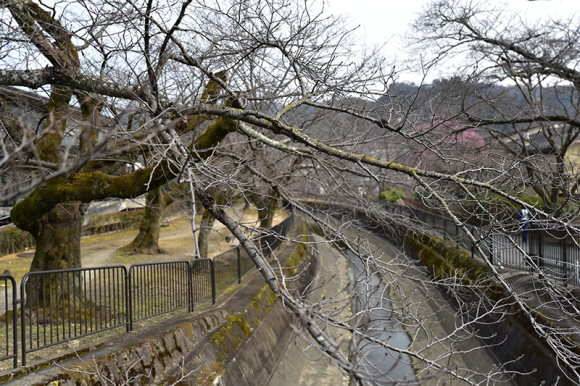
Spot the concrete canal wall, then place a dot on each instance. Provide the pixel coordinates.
(510, 337)
(241, 343)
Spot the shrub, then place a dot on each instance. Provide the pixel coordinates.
(14, 240)
(392, 195)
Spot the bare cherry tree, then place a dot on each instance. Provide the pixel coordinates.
(271, 99)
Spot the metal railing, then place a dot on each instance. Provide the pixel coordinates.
(58, 306)
(9, 342)
(203, 283)
(158, 288)
(553, 250)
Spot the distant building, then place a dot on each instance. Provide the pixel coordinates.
(532, 140)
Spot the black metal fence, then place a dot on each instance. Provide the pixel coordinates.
(9, 341)
(552, 249)
(66, 304)
(158, 288)
(555, 251)
(58, 306)
(203, 283)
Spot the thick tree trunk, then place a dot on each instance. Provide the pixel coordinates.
(266, 206)
(57, 235)
(207, 221)
(147, 240)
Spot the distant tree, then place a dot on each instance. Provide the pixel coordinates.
(516, 79)
(443, 138)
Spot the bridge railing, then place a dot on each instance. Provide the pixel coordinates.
(56, 307)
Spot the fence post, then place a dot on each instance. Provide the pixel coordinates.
(531, 243)
(14, 315)
(540, 248)
(129, 300)
(14, 319)
(212, 281)
(22, 318)
(190, 284)
(239, 265)
(491, 250)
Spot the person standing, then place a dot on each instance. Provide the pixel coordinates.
(524, 217)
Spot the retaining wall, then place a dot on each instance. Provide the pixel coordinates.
(510, 336)
(219, 347)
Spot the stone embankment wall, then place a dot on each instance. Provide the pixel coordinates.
(510, 337)
(218, 348)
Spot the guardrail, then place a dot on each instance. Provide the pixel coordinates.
(58, 306)
(554, 250)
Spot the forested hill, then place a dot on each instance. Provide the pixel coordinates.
(482, 99)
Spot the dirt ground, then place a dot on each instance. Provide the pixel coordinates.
(176, 239)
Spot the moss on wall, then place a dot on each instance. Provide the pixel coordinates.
(446, 260)
(240, 326)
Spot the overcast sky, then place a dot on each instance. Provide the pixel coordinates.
(386, 21)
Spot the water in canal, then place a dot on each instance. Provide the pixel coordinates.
(386, 367)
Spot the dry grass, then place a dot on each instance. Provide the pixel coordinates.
(176, 239)
(113, 238)
(17, 263)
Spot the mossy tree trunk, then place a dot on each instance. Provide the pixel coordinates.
(57, 231)
(51, 206)
(57, 236)
(266, 205)
(206, 223)
(147, 240)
